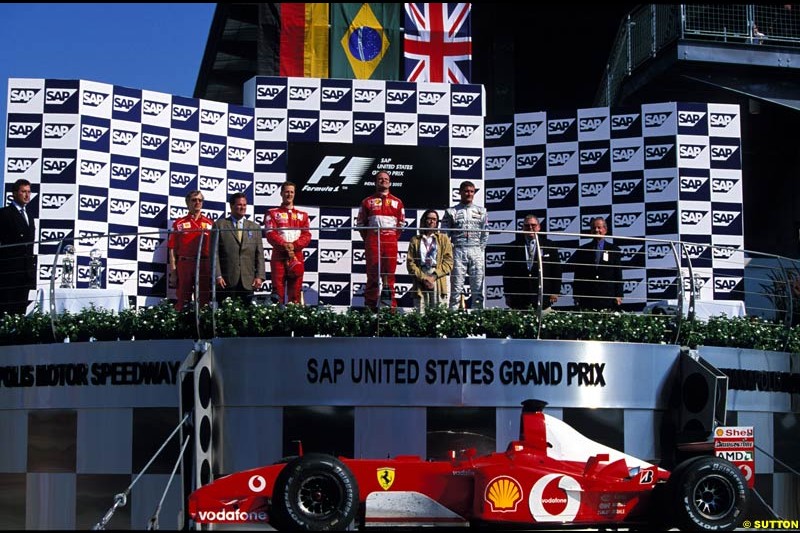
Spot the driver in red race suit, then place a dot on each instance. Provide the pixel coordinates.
(183, 244)
(288, 233)
(381, 210)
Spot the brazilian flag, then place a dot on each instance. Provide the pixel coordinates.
(365, 41)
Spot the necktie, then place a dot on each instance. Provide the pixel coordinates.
(24, 215)
(239, 225)
(531, 254)
(598, 253)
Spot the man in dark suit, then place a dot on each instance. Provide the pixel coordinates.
(521, 269)
(17, 261)
(598, 273)
(240, 253)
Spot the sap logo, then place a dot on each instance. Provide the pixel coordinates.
(529, 193)
(333, 95)
(495, 131)
(149, 279)
(401, 258)
(555, 127)
(209, 183)
(209, 117)
(365, 96)
(528, 161)
(656, 185)
(623, 155)
(566, 288)
(54, 201)
(495, 259)
(429, 97)
(89, 238)
(657, 285)
(359, 289)
(180, 179)
(724, 218)
(235, 186)
(268, 92)
(494, 292)
(124, 103)
(559, 159)
(268, 124)
(623, 122)
(119, 206)
(630, 285)
(658, 251)
(625, 187)
(181, 146)
(690, 151)
(693, 251)
(329, 222)
(463, 131)
(149, 244)
(654, 120)
(238, 154)
(300, 125)
(54, 234)
(90, 203)
(152, 108)
(463, 99)
(118, 276)
(397, 128)
(398, 96)
(238, 122)
(657, 152)
(93, 98)
(22, 96)
(499, 225)
(629, 251)
(92, 133)
(464, 162)
(494, 196)
(122, 137)
(625, 220)
(658, 218)
(45, 271)
(430, 129)
(692, 184)
(20, 164)
(726, 284)
(722, 153)
(560, 223)
(721, 120)
(723, 184)
(591, 157)
(365, 127)
(689, 119)
(266, 189)
(268, 156)
(496, 162)
(91, 168)
(150, 210)
(332, 126)
(590, 124)
(55, 165)
(21, 130)
(210, 150)
(152, 142)
(586, 220)
(526, 129)
(176, 212)
(327, 288)
(723, 252)
(559, 192)
(359, 256)
(152, 175)
(699, 283)
(57, 131)
(301, 93)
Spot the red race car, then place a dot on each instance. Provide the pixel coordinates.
(552, 475)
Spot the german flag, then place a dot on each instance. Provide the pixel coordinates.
(304, 41)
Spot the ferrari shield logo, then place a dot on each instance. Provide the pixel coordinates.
(385, 477)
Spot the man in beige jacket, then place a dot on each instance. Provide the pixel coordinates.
(240, 253)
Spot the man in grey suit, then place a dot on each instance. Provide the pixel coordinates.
(240, 253)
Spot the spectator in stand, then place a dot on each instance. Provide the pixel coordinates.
(288, 233)
(184, 247)
(429, 261)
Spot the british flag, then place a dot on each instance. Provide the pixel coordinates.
(438, 42)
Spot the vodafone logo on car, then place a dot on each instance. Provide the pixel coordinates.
(555, 498)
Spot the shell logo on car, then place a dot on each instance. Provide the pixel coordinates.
(503, 494)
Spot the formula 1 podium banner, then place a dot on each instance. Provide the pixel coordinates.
(341, 175)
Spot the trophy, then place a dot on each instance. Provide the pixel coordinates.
(95, 268)
(68, 267)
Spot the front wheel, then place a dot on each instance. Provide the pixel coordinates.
(315, 492)
(710, 494)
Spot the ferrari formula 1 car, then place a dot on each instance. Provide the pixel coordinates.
(551, 476)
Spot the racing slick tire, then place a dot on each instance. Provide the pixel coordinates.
(709, 494)
(315, 492)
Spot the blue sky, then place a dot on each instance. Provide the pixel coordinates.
(157, 47)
